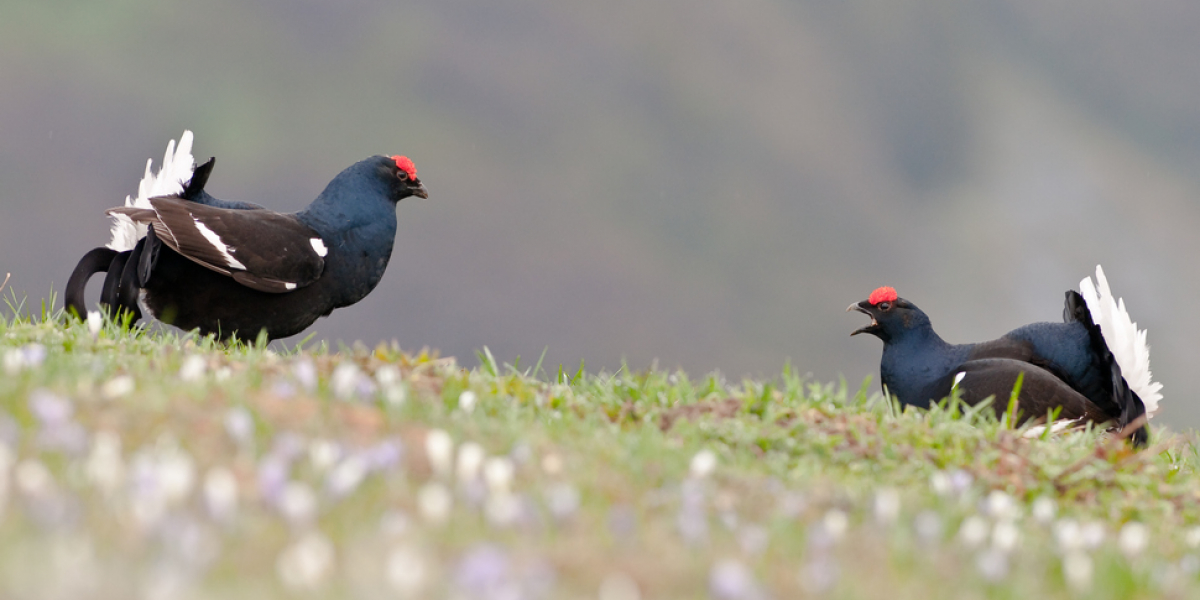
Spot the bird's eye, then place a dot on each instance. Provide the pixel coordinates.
(401, 175)
(885, 305)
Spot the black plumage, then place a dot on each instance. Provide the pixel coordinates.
(235, 269)
(1067, 367)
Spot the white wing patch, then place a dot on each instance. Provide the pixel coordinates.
(176, 171)
(958, 379)
(319, 246)
(1126, 342)
(1055, 427)
(289, 285)
(216, 242)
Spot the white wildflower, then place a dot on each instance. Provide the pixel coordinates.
(1044, 509)
(28, 356)
(1133, 539)
(394, 523)
(562, 499)
(389, 379)
(434, 502)
(1077, 570)
(193, 368)
(835, 523)
(298, 503)
(1192, 537)
(33, 478)
(439, 448)
(121, 385)
(221, 493)
(1005, 535)
(498, 474)
(973, 531)
(104, 467)
(552, 464)
(703, 464)
(887, 505)
(466, 401)
(992, 564)
(395, 395)
(344, 380)
(323, 454)
(387, 375)
(305, 373)
(1068, 534)
(1001, 505)
(94, 322)
(470, 460)
(176, 474)
(940, 482)
(1093, 534)
(307, 563)
(239, 425)
(729, 579)
(502, 509)
(347, 476)
(407, 570)
(13, 361)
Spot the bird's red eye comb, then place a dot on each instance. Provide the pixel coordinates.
(883, 294)
(406, 165)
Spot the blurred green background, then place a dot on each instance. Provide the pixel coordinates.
(705, 184)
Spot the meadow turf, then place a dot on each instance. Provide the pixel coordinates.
(157, 464)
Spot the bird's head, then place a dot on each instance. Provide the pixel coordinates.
(891, 315)
(402, 175)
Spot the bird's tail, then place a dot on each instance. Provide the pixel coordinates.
(171, 179)
(95, 261)
(1120, 346)
(1124, 339)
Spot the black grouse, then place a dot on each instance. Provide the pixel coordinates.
(1094, 366)
(235, 269)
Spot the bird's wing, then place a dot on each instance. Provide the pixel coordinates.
(1005, 347)
(1041, 391)
(260, 249)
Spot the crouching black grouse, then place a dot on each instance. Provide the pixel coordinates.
(236, 269)
(1095, 366)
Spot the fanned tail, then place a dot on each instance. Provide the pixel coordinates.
(171, 178)
(1126, 342)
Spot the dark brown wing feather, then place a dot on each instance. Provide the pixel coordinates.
(1041, 390)
(260, 249)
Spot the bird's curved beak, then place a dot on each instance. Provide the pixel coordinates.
(873, 327)
(420, 191)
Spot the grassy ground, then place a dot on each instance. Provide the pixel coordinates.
(165, 466)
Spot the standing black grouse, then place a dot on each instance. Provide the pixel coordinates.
(1095, 366)
(235, 269)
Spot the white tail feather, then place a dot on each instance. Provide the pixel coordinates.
(1126, 342)
(175, 173)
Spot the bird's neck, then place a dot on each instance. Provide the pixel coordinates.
(915, 360)
(358, 231)
(339, 210)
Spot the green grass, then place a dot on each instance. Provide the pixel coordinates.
(114, 447)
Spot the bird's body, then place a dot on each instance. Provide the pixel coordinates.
(1066, 367)
(235, 269)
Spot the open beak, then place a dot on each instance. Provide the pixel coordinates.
(872, 328)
